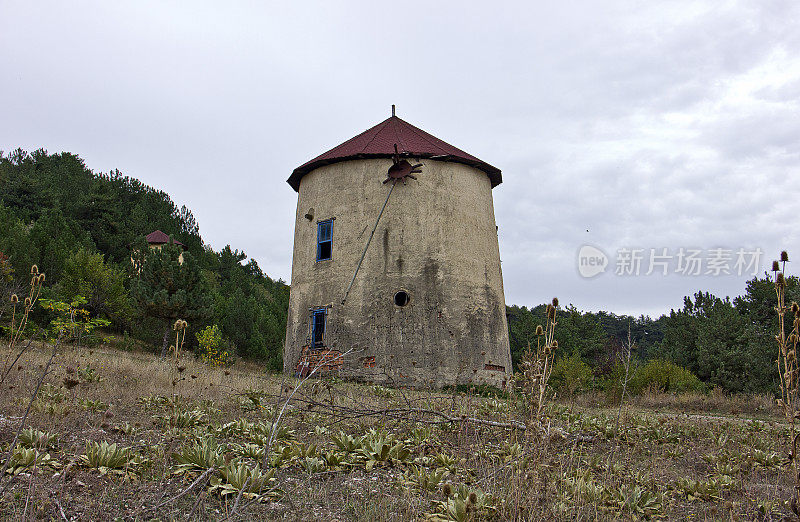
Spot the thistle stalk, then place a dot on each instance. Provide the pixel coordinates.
(180, 336)
(538, 367)
(37, 280)
(788, 368)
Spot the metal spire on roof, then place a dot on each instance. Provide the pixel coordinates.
(393, 109)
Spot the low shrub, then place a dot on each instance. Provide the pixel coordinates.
(666, 376)
(571, 375)
(214, 349)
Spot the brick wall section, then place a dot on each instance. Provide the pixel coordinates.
(326, 358)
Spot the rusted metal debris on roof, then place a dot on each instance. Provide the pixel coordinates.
(401, 169)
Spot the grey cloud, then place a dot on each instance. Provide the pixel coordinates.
(660, 124)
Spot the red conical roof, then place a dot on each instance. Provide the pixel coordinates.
(379, 142)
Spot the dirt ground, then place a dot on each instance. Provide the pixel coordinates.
(347, 451)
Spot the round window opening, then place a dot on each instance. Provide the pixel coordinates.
(401, 298)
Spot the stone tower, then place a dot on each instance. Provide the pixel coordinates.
(405, 272)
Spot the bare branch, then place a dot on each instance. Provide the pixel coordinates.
(13, 445)
(191, 486)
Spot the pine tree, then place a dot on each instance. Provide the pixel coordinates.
(168, 290)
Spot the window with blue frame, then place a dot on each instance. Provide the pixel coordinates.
(318, 327)
(325, 240)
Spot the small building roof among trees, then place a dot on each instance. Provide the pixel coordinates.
(379, 142)
(159, 238)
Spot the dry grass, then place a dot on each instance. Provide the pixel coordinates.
(716, 402)
(666, 465)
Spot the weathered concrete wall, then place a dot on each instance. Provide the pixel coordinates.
(437, 240)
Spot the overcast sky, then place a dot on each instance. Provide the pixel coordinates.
(617, 124)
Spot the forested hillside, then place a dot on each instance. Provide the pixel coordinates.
(81, 229)
(729, 343)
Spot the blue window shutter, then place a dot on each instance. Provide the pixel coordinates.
(325, 240)
(318, 327)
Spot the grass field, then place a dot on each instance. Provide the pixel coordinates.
(346, 451)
